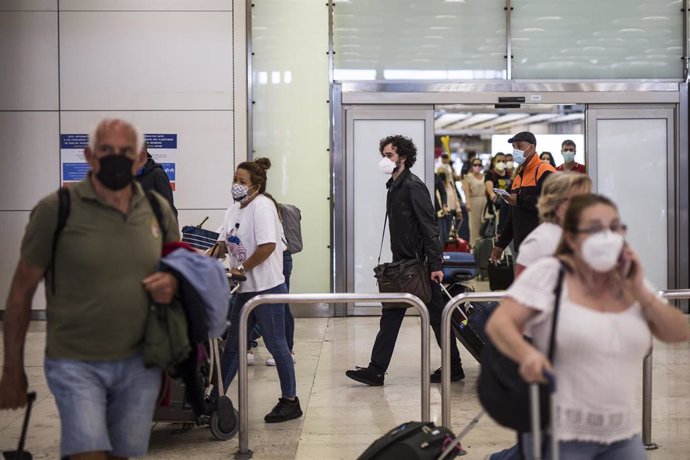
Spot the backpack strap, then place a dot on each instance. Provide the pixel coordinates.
(156, 207)
(64, 207)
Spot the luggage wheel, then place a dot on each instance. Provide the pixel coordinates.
(225, 420)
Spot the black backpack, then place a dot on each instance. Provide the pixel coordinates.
(411, 441)
(64, 208)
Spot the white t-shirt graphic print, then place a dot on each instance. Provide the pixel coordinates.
(243, 230)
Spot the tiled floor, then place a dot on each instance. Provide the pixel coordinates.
(342, 417)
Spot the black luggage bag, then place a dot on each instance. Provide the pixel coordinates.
(469, 324)
(412, 441)
(501, 274)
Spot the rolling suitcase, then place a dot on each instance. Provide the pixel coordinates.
(469, 324)
(458, 267)
(414, 441)
(482, 254)
(501, 274)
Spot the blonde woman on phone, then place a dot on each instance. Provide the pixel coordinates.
(607, 318)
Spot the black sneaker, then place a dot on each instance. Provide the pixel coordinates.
(454, 376)
(366, 375)
(283, 411)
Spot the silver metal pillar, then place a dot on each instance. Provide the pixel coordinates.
(408, 299)
(647, 402)
(445, 343)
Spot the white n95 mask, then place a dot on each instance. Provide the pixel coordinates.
(602, 250)
(387, 166)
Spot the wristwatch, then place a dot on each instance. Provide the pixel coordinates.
(240, 268)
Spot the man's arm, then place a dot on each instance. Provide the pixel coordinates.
(13, 384)
(424, 211)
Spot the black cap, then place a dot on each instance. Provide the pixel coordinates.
(523, 136)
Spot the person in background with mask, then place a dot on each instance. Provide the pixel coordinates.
(607, 316)
(453, 202)
(499, 178)
(467, 165)
(253, 235)
(542, 242)
(547, 157)
(527, 185)
(152, 176)
(475, 194)
(413, 233)
(569, 164)
(102, 277)
(510, 165)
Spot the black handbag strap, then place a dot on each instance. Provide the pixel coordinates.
(556, 308)
(383, 235)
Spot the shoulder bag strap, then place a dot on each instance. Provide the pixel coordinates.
(554, 321)
(383, 233)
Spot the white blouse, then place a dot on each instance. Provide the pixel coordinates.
(541, 242)
(597, 362)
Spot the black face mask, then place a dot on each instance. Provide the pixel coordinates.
(116, 171)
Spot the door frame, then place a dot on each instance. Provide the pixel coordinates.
(377, 93)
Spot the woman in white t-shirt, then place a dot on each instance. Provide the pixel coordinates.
(254, 238)
(607, 317)
(555, 196)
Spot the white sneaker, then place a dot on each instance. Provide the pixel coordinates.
(272, 362)
(251, 360)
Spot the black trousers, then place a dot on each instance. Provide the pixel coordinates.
(389, 327)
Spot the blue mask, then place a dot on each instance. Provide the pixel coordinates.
(140, 171)
(568, 157)
(518, 156)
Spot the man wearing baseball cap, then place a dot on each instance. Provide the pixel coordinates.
(529, 178)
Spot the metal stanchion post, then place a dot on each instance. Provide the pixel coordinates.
(446, 342)
(647, 402)
(244, 452)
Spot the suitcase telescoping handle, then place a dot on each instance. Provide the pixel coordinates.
(443, 288)
(535, 417)
(19, 454)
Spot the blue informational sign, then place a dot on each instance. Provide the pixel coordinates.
(161, 141)
(74, 141)
(74, 171)
(169, 169)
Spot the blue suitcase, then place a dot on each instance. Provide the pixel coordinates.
(458, 267)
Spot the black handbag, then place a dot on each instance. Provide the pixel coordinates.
(408, 276)
(502, 391)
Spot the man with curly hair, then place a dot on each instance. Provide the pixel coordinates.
(413, 233)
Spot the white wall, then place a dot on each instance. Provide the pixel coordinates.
(169, 66)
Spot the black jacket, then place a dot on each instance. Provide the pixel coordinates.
(154, 178)
(411, 221)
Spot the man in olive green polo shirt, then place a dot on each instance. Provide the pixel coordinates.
(105, 277)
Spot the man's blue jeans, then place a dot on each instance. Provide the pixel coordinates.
(271, 320)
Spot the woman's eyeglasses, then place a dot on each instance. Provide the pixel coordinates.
(594, 229)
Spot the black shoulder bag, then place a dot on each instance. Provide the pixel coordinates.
(409, 275)
(502, 391)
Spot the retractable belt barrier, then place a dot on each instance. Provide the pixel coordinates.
(394, 298)
(455, 302)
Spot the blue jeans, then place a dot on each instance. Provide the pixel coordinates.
(271, 320)
(628, 449)
(255, 333)
(104, 406)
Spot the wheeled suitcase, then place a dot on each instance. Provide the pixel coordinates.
(458, 267)
(413, 441)
(482, 254)
(501, 274)
(469, 324)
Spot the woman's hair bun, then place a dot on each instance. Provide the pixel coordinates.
(264, 163)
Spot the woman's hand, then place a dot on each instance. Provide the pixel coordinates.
(533, 365)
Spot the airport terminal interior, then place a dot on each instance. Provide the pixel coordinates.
(314, 85)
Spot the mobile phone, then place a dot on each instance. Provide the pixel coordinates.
(625, 265)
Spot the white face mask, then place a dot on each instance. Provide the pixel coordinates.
(509, 164)
(500, 166)
(602, 250)
(387, 166)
